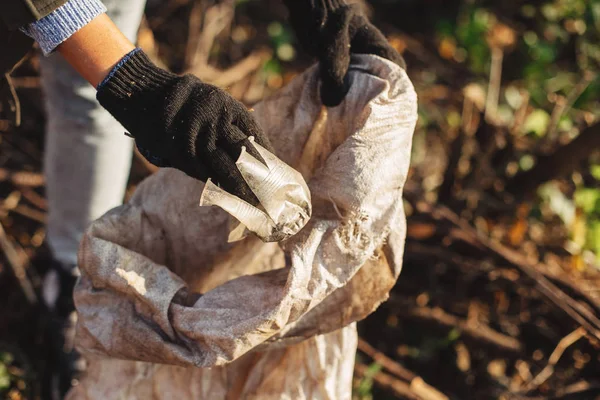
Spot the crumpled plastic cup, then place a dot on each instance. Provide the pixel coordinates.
(285, 205)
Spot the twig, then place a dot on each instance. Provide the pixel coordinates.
(417, 384)
(493, 94)
(521, 113)
(385, 361)
(16, 106)
(571, 307)
(471, 329)
(452, 73)
(579, 289)
(30, 195)
(22, 178)
(12, 256)
(30, 213)
(168, 8)
(554, 357)
(564, 106)
(386, 381)
(216, 19)
(147, 42)
(233, 74)
(562, 162)
(456, 150)
(26, 82)
(577, 388)
(192, 52)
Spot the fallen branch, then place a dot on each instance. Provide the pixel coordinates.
(26, 82)
(398, 387)
(493, 94)
(31, 213)
(581, 289)
(548, 370)
(456, 150)
(473, 330)
(577, 389)
(166, 10)
(556, 165)
(12, 256)
(34, 198)
(416, 383)
(225, 78)
(216, 19)
(22, 178)
(14, 103)
(565, 105)
(193, 52)
(578, 312)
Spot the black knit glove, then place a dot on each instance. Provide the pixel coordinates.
(180, 122)
(330, 30)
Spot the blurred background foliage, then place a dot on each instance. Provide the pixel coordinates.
(550, 59)
(555, 58)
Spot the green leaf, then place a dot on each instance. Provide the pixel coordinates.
(562, 81)
(537, 122)
(444, 28)
(543, 52)
(4, 377)
(6, 358)
(453, 119)
(272, 67)
(595, 8)
(588, 199)
(555, 199)
(274, 29)
(595, 171)
(453, 335)
(530, 38)
(565, 124)
(373, 369)
(526, 162)
(513, 96)
(551, 12)
(366, 384)
(528, 11)
(593, 237)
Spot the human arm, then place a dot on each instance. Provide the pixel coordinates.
(95, 49)
(176, 121)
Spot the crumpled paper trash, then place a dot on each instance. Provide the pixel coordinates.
(162, 291)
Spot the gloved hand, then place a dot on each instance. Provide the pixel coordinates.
(181, 122)
(330, 30)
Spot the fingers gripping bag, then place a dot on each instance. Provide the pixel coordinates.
(170, 308)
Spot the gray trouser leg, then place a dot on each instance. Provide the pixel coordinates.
(87, 156)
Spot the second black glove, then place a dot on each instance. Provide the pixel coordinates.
(331, 30)
(181, 122)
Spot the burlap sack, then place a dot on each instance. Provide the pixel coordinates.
(163, 291)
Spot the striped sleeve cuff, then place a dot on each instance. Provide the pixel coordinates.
(59, 25)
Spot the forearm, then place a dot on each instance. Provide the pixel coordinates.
(82, 32)
(95, 49)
